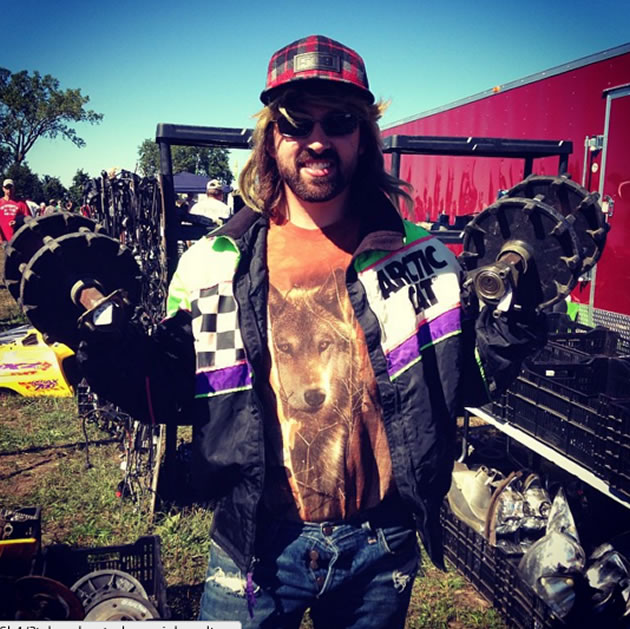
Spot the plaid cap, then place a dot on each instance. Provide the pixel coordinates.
(316, 58)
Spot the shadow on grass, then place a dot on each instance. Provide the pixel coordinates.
(183, 601)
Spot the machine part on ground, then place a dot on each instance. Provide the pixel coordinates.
(117, 606)
(524, 246)
(55, 276)
(534, 243)
(94, 586)
(32, 236)
(41, 598)
(580, 208)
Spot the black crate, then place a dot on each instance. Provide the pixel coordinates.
(583, 338)
(492, 573)
(519, 605)
(617, 412)
(470, 553)
(550, 419)
(590, 375)
(497, 407)
(141, 560)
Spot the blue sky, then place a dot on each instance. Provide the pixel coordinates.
(204, 63)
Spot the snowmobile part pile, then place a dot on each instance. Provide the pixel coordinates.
(54, 270)
(533, 244)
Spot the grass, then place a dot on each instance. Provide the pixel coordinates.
(43, 463)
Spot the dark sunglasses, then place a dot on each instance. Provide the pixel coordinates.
(334, 124)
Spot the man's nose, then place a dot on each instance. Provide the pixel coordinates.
(318, 139)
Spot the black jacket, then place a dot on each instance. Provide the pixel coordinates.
(430, 350)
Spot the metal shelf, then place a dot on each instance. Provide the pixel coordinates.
(548, 453)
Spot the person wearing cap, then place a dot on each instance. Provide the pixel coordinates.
(12, 211)
(212, 206)
(322, 347)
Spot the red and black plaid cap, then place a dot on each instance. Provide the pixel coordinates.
(316, 58)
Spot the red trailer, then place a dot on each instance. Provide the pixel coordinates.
(586, 103)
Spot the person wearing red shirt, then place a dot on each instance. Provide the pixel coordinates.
(12, 211)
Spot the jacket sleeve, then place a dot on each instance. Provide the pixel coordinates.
(495, 346)
(149, 377)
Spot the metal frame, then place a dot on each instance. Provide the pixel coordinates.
(167, 135)
(529, 150)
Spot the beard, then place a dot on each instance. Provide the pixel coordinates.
(316, 189)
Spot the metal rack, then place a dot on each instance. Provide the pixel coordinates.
(547, 452)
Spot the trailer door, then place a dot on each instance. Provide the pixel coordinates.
(610, 294)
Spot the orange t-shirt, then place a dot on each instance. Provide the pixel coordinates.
(331, 454)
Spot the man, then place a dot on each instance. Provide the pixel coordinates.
(212, 206)
(331, 357)
(12, 211)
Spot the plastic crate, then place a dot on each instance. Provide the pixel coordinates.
(577, 406)
(551, 420)
(583, 338)
(470, 553)
(141, 560)
(617, 461)
(497, 407)
(494, 576)
(590, 375)
(519, 605)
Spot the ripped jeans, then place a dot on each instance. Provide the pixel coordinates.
(351, 576)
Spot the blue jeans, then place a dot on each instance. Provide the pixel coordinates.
(351, 576)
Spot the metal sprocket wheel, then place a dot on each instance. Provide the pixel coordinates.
(52, 273)
(32, 236)
(556, 263)
(581, 209)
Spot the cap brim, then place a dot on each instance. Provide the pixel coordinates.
(320, 84)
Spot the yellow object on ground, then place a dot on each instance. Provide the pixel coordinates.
(30, 367)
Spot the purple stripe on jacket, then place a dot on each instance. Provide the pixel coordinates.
(225, 379)
(428, 332)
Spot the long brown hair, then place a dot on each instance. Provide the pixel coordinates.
(260, 184)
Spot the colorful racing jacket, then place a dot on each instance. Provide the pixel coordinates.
(428, 356)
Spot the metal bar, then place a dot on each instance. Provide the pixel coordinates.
(475, 147)
(529, 167)
(552, 455)
(395, 164)
(187, 135)
(169, 215)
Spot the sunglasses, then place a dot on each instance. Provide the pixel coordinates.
(334, 124)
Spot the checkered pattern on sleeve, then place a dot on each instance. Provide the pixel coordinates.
(215, 326)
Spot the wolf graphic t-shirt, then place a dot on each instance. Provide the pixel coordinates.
(329, 457)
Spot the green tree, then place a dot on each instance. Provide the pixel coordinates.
(33, 107)
(209, 162)
(53, 189)
(149, 158)
(79, 181)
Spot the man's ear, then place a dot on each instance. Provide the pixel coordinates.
(270, 145)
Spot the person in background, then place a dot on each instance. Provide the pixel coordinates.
(212, 206)
(12, 211)
(322, 347)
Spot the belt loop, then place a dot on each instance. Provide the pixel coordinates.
(367, 526)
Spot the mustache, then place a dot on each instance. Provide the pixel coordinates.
(308, 154)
